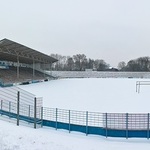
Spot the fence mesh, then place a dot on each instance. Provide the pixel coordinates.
(138, 121)
(95, 119)
(119, 121)
(10, 94)
(15, 101)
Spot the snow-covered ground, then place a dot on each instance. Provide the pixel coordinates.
(102, 95)
(93, 94)
(13, 137)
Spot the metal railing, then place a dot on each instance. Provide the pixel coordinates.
(23, 113)
(21, 106)
(83, 120)
(119, 121)
(17, 105)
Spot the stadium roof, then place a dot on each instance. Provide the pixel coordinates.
(12, 51)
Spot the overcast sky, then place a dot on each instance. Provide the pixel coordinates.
(113, 30)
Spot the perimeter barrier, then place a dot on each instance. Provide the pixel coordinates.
(106, 124)
(21, 107)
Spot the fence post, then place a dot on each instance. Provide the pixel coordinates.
(126, 125)
(29, 115)
(139, 88)
(106, 123)
(42, 116)
(29, 111)
(1, 106)
(56, 117)
(86, 123)
(9, 108)
(148, 126)
(69, 121)
(35, 113)
(18, 105)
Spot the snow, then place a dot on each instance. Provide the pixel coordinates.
(93, 94)
(102, 95)
(14, 137)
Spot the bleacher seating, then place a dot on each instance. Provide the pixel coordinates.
(25, 74)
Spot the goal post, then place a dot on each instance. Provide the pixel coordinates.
(141, 83)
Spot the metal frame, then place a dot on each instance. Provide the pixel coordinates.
(10, 50)
(140, 83)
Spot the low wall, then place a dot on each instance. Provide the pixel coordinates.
(99, 74)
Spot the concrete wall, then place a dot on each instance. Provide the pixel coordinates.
(99, 74)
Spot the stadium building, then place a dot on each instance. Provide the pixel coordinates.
(21, 64)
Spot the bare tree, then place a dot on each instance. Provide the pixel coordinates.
(139, 64)
(61, 63)
(121, 65)
(80, 61)
(100, 65)
(70, 64)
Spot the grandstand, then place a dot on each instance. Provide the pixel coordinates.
(21, 64)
